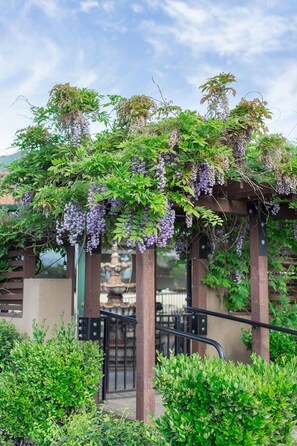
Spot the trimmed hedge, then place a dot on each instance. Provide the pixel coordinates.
(44, 382)
(218, 403)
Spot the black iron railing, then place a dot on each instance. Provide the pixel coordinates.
(119, 347)
(253, 323)
(174, 333)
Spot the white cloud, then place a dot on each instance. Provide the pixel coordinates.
(42, 67)
(137, 8)
(108, 5)
(208, 26)
(88, 5)
(280, 90)
(51, 8)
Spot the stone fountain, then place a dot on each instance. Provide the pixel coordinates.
(114, 287)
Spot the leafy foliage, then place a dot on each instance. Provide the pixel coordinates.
(98, 429)
(229, 261)
(9, 336)
(214, 402)
(44, 382)
(61, 159)
(145, 168)
(281, 345)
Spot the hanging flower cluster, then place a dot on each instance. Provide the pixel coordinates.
(73, 223)
(95, 218)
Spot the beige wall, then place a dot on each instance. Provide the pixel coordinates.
(227, 333)
(45, 299)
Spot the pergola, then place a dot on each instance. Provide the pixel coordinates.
(237, 198)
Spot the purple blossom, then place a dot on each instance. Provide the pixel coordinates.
(166, 227)
(238, 277)
(275, 208)
(95, 218)
(114, 206)
(73, 222)
(164, 230)
(239, 243)
(205, 180)
(240, 146)
(178, 174)
(138, 166)
(160, 169)
(26, 198)
(189, 220)
(80, 128)
(286, 184)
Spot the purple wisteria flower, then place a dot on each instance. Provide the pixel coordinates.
(95, 218)
(73, 222)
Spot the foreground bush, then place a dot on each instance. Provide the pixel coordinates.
(98, 429)
(219, 403)
(280, 344)
(8, 337)
(44, 382)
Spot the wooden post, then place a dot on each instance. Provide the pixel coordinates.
(259, 283)
(81, 281)
(92, 287)
(145, 334)
(29, 263)
(70, 250)
(199, 291)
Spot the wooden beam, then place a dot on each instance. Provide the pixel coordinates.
(224, 205)
(92, 287)
(199, 291)
(145, 334)
(259, 284)
(286, 214)
(252, 195)
(237, 191)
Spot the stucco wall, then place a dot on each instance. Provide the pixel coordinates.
(44, 299)
(227, 333)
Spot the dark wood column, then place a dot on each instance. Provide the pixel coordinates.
(259, 282)
(70, 250)
(199, 291)
(29, 263)
(145, 334)
(92, 287)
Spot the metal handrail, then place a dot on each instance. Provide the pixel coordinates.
(193, 337)
(254, 324)
(129, 319)
(179, 333)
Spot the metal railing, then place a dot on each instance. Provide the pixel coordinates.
(119, 347)
(253, 323)
(173, 334)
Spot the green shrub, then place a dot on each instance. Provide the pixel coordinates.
(98, 429)
(219, 403)
(281, 344)
(8, 337)
(46, 381)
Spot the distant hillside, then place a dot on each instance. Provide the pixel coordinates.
(7, 159)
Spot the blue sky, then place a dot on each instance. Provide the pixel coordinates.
(117, 46)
